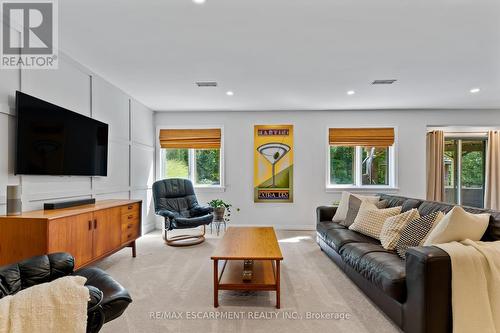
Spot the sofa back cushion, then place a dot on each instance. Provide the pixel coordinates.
(33, 271)
(406, 204)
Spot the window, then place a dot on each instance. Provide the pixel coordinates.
(375, 166)
(201, 166)
(193, 154)
(342, 169)
(360, 166)
(361, 157)
(464, 163)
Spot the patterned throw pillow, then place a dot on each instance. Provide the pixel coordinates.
(370, 219)
(391, 231)
(354, 205)
(416, 231)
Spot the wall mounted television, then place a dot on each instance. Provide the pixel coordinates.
(54, 141)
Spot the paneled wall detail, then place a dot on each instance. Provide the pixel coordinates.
(131, 137)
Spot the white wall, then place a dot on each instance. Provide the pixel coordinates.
(310, 129)
(131, 142)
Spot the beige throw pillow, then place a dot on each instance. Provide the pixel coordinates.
(370, 219)
(354, 206)
(458, 225)
(343, 207)
(391, 230)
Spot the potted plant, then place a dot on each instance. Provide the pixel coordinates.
(220, 207)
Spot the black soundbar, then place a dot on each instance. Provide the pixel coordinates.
(66, 204)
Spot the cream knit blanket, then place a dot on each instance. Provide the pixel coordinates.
(58, 306)
(475, 282)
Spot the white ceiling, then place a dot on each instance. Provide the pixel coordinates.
(290, 54)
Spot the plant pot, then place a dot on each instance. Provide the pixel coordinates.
(219, 213)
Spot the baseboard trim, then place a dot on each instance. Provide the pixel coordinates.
(147, 228)
(298, 227)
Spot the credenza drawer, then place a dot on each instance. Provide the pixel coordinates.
(130, 208)
(130, 217)
(130, 232)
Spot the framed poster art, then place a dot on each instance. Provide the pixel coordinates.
(273, 163)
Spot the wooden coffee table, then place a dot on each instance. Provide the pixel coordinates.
(247, 243)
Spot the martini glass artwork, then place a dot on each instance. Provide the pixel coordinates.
(273, 152)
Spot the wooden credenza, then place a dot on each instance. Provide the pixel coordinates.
(88, 232)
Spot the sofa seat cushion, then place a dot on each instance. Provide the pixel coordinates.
(383, 268)
(323, 227)
(336, 238)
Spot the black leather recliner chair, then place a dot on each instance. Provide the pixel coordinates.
(175, 200)
(108, 299)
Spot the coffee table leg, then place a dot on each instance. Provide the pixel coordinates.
(216, 283)
(278, 284)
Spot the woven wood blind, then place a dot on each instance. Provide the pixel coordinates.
(365, 137)
(206, 138)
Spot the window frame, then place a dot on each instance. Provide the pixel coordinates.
(160, 159)
(392, 168)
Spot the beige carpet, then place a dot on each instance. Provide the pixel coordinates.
(175, 282)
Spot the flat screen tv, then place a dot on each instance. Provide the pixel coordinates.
(52, 140)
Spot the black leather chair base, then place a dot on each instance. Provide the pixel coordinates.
(184, 240)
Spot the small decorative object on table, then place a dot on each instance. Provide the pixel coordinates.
(14, 204)
(222, 213)
(247, 270)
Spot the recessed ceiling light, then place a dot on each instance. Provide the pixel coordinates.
(474, 90)
(229, 93)
(351, 92)
(199, 2)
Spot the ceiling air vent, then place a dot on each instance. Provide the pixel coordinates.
(384, 81)
(203, 84)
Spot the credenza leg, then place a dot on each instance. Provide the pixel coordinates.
(133, 249)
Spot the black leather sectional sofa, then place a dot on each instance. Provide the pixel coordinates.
(108, 299)
(415, 293)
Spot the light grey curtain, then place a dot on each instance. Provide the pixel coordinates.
(492, 181)
(435, 165)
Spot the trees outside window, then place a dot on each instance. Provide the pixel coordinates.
(359, 166)
(201, 166)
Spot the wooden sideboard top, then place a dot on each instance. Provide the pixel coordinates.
(65, 212)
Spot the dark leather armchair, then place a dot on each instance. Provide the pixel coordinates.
(175, 200)
(108, 299)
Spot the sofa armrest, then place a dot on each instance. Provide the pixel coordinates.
(325, 213)
(95, 314)
(95, 299)
(428, 283)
